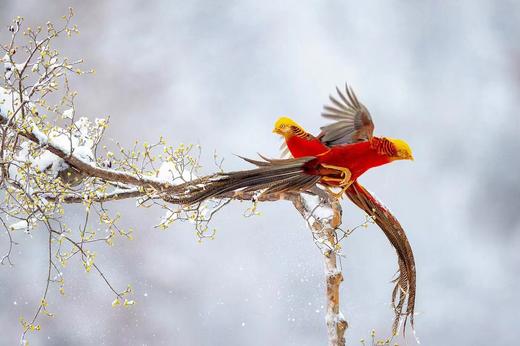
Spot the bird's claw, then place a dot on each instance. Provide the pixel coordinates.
(343, 182)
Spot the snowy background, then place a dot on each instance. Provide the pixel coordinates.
(443, 75)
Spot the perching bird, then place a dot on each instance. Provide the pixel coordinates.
(354, 127)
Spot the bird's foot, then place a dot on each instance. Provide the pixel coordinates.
(345, 174)
(343, 182)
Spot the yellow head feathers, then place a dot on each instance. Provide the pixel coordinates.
(403, 150)
(287, 127)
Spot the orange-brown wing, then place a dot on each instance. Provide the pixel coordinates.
(353, 121)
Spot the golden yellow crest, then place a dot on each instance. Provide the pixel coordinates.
(404, 152)
(287, 127)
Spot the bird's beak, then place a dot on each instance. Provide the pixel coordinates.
(275, 130)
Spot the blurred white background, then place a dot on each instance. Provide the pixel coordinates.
(443, 75)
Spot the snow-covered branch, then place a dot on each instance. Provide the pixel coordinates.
(322, 213)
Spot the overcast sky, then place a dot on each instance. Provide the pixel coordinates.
(443, 75)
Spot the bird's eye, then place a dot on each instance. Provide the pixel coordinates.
(282, 126)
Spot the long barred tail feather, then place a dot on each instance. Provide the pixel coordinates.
(272, 176)
(404, 290)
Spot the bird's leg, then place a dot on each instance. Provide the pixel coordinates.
(343, 182)
(344, 173)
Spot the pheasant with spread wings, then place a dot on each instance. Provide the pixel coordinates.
(332, 158)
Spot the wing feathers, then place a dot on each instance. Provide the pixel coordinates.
(353, 120)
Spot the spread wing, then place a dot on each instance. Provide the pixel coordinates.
(353, 120)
